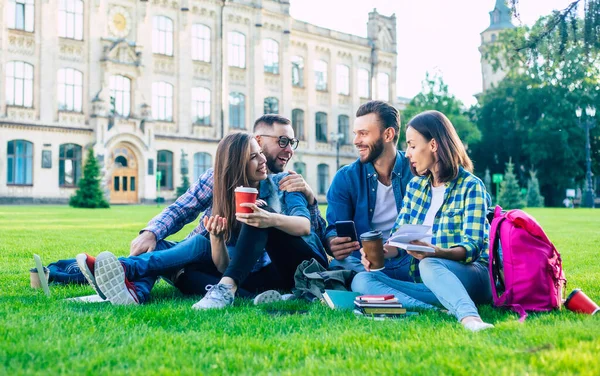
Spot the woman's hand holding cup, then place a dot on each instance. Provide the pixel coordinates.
(258, 218)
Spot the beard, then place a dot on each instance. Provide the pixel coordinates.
(375, 151)
(274, 164)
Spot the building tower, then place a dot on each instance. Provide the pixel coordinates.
(500, 20)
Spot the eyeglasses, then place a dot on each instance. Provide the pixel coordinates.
(284, 141)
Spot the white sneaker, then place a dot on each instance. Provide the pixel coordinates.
(476, 326)
(86, 266)
(268, 296)
(217, 297)
(286, 297)
(110, 277)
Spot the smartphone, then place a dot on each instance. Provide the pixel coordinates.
(346, 229)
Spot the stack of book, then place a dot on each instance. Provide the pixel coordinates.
(379, 306)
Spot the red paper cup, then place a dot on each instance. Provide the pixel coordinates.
(578, 301)
(245, 195)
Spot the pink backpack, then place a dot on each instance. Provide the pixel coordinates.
(525, 268)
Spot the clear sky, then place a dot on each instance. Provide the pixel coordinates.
(433, 35)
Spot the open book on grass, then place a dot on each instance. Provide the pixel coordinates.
(406, 234)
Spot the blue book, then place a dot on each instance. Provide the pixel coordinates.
(338, 299)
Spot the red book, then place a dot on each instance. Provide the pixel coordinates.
(375, 297)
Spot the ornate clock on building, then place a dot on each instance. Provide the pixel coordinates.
(119, 22)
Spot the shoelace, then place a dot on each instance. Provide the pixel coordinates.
(131, 287)
(214, 289)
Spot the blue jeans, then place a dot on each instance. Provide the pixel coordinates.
(394, 268)
(445, 282)
(167, 258)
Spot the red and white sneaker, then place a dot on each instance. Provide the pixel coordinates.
(110, 276)
(86, 265)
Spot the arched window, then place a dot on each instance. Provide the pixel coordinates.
(237, 110)
(200, 42)
(300, 168)
(20, 14)
(321, 75)
(321, 126)
(121, 161)
(297, 71)
(165, 167)
(271, 105)
(271, 56)
(323, 178)
(298, 123)
(69, 165)
(202, 162)
(363, 83)
(201, 105)
(162, 35)
(383, 86)
(162, 101)
(236, 49)
(70, 90)
(344, 128)
(19, 84)
(20, 163)
(343, 79)
(70, 19)
(120, 95)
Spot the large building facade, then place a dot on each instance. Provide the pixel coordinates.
(500, 20)
(152, 86)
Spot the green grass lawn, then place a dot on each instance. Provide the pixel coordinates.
(40, 335)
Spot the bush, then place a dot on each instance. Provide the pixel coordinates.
(89, 194)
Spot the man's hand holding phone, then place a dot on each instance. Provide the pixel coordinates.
(346, 240)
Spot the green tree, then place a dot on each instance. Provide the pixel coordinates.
(89, 194)
(510, 196)
(530, 115)
(435, 96)
(185, 184)
(534, 197)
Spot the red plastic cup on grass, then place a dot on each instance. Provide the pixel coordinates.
(579, 302)
(244, 195)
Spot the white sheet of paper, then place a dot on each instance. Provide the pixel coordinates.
(87, 299)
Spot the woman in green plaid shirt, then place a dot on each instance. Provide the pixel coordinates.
(445, 195)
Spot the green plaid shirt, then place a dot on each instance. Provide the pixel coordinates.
(460, 222)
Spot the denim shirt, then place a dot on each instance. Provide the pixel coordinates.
(353, 194)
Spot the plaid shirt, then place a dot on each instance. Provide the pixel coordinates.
(197, 199)
(460, 222)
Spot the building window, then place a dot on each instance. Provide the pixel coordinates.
(383, 86)
(70, 90)
(236, 49)
(19, 84)
(363, 83)
(237, 110)
(343, 79)
(202, 162)
(165, 167)
(298, 123)
(20, 163)
(321, 124)
(323, 178)
(271, 105)
(69, 165)
(120, 95)
(162, 35)
(297, 71)
(201, 106)
(70, 19)
(321, 75)
(344, 128)
(200, 43)
(162, 101)
(300, 168)
(20, 14)
(271, 56)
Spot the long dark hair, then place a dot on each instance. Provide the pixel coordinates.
(233, 154)
(451, 152)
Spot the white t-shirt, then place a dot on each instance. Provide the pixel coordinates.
(437, 199)
(385, 213)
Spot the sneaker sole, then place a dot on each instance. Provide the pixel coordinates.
(269, 296)
(110, 277)
(87, 273)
